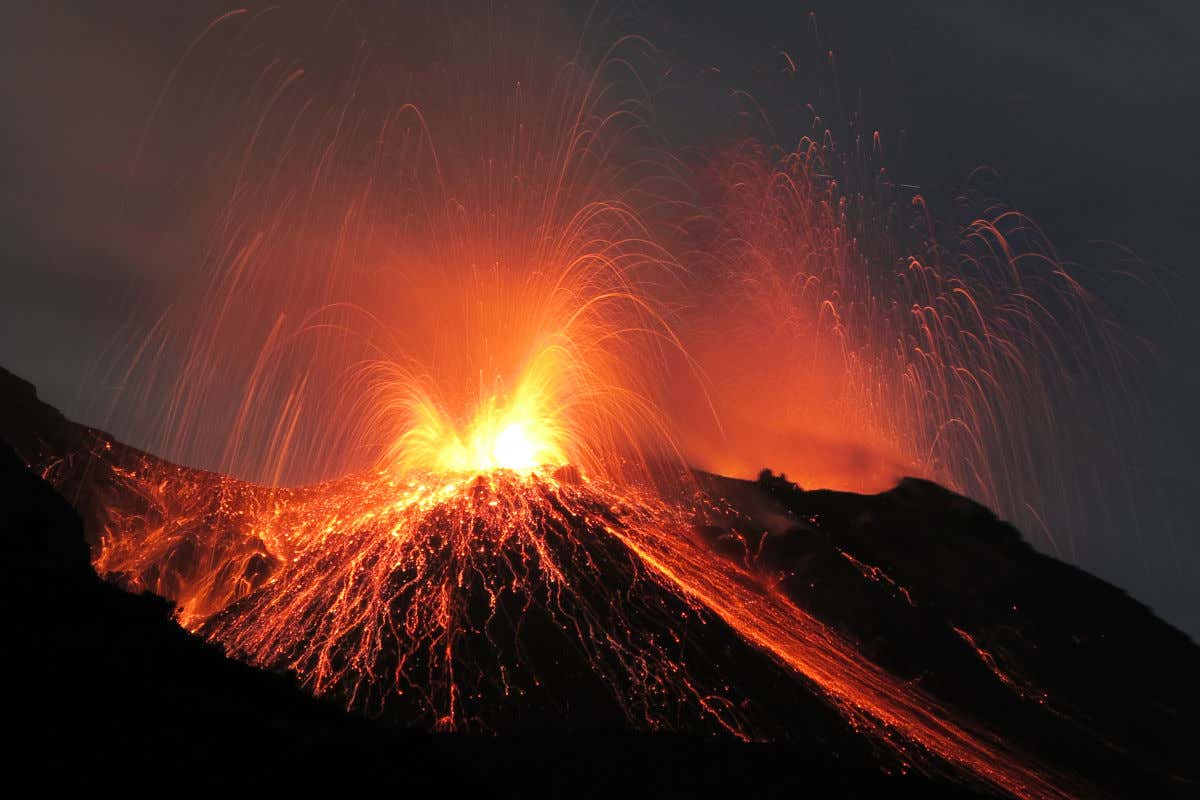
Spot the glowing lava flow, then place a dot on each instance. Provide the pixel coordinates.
(870, 698)
(429, 599)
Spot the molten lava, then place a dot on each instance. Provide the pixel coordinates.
(520, 435)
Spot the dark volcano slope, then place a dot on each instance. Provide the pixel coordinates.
(938, 590)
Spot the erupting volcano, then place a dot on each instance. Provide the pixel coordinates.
(466, 351)
(496, 598)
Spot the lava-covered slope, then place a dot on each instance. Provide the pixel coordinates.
(106, 692)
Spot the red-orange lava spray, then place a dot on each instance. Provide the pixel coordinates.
(442, 302)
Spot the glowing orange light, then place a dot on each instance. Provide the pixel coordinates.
(517, 438)
(519, 431)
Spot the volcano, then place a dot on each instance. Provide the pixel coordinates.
(751, 634)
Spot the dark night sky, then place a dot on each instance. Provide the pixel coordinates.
(1088, 114)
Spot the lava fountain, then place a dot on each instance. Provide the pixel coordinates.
(436, 325)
